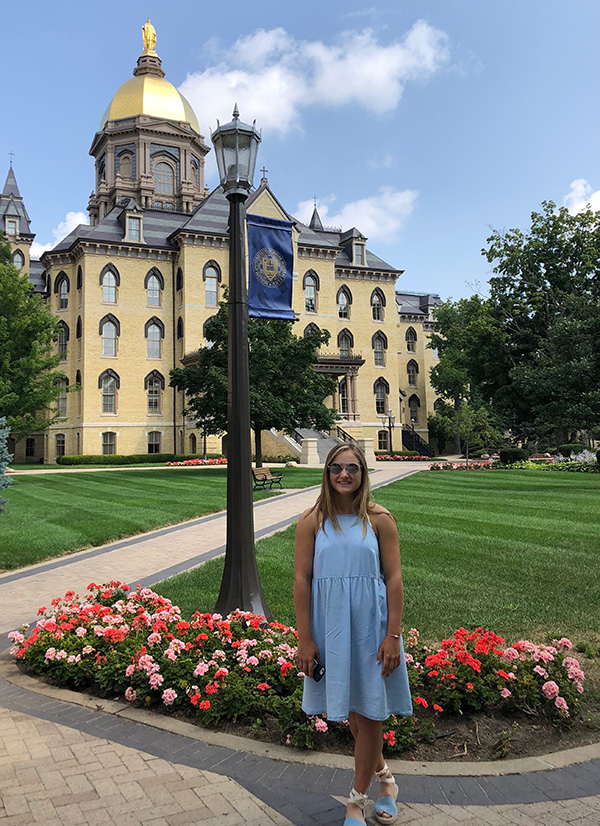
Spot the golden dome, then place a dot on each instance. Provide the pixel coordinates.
(148, 94)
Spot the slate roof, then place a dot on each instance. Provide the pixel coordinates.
(11, 204)
(416, 303)
(37, 276)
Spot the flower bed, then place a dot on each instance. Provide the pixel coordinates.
(135, 645)
(400, 457)
(194, 462)
(461, 466)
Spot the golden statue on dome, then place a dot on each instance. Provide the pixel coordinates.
(149, 37)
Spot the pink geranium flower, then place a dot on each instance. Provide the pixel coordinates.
(561, 704)
(550, 689)
(505, 693)
(169, 696)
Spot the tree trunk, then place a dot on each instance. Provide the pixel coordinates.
(258, 446)
(467, 451)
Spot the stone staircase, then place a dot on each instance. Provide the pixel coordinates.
(324, 443)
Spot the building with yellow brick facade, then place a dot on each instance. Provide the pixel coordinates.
(134, 290)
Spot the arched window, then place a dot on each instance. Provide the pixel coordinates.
(79, 278)
(344, 300)
(379, 344)
(212, 277)
(345, 343)
(179, 279)
(207, 342)
(61, 406)
(411, 340)
(382, 440)
(59, 441)
(413, 405)
(164, 179)
(109, 443)
(110, 330)
(155, 332)
(412, 370)
(109, 288)
(195, 177)
(154, 384)
(436, 405)
(377, 304)
(343, 392)
(125, 166)
(61, 286)
(382, 390)
(109, 394)
(179, 327)
(311, 287)
(63, 339)
(311, 328)
(154, 441)
(153, 291)
(193, 443)
(18, 260)
(79, 394)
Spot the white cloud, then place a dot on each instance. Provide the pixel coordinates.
(379, 217)
(273, 76)
(384, 161)
(580, 195)
(72, 220)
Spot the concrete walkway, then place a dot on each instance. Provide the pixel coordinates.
(68, 759)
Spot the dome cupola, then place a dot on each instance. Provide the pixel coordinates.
(148, 146)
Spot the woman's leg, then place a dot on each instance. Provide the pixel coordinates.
(368, 742)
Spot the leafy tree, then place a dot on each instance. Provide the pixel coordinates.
(5, 460)
(441, 425)
(530, 348)
(29, 381)
(474, 423)
(285, 390)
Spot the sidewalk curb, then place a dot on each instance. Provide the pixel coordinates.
(10, 672)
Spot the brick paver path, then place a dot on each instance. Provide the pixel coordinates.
(61, 764)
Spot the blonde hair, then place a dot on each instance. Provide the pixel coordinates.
(361, 503)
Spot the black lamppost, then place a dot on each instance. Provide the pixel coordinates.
(388, 421)
(236, 146)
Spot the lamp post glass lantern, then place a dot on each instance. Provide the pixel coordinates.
(387, 420)
(236, 147)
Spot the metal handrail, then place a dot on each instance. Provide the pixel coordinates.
(341, 434)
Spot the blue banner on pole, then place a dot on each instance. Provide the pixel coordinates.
(270, 267)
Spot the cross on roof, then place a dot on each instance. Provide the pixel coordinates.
(12, 155)
(315, 201)
(264, 172)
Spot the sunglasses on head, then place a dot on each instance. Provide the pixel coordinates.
(336, 468)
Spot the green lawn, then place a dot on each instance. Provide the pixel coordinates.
(52, 514)
(517, 551)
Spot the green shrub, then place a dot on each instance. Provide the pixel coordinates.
(574, 447)
(513, 454)
(598, 456)
(131, 459)
(397, 453)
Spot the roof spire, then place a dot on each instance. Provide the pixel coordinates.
(315, 221)
(10, 187)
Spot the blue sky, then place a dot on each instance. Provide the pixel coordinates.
(423, 124)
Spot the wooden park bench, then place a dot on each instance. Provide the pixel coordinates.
(263, 475)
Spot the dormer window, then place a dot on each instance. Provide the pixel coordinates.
(359, 254)
(11, 226)
(134, 228)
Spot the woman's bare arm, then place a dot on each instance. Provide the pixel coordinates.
(303, 566)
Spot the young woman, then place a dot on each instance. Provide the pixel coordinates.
(348, 597)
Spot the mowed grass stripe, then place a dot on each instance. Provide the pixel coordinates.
(49, 515)
(507, 550)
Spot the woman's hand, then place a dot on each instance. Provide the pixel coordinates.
(305, 656)
(389, 655)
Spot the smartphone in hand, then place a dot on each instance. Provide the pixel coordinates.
(318, 670)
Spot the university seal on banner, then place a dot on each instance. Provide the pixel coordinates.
(269, 267)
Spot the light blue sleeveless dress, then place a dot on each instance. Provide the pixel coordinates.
(348, 623)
